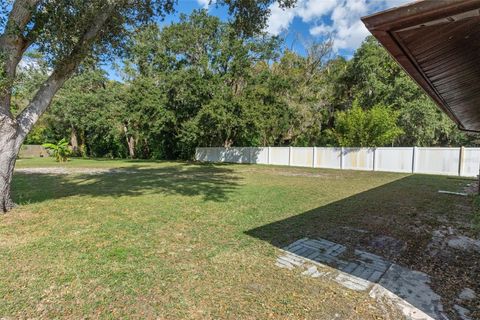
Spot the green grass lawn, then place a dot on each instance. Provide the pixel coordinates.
(178, 240)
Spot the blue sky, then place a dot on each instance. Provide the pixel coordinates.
(308, 20)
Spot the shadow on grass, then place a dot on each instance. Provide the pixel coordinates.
(396, 223)
(212, 183)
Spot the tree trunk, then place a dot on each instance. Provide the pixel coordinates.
(74, 142)
(10, 143)
(131, 147)
(12, 46)
(130, 142)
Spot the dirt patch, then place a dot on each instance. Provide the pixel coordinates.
(449, 238)
(304, 174)
(435, 239)
(471, 188)
(386, 243)
(63, 170)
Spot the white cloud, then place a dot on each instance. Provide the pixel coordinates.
(346, 28)
(309, 10)
(338, 18)
(204, 3)
(320, 30)
(279, 19)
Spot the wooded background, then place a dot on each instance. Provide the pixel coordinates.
(197, 83)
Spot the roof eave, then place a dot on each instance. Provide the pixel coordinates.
(383, 25)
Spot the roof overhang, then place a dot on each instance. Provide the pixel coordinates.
(437, 42)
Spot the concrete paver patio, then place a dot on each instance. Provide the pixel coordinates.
(406, 289)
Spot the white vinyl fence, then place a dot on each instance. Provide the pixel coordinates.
(447, 161)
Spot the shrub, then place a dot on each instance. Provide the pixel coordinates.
(60, 150)
(374, 127)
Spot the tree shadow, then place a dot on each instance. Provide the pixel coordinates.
(211, 182)
(244, 155)
(394, 224)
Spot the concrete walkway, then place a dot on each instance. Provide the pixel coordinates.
(407, 290)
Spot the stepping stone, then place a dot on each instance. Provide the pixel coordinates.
(462, 312)
(467, 294)
(352, 282)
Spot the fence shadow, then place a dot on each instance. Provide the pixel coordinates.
(388, 227)
(232, 155)
(211, 182)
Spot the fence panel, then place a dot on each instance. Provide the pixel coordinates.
(394, 159)
(208, 154)
(470, 162)
(33, 151)
(328, 158)
(302, 157)
(357, 158)
(437, 160)
(201, 154)
(221, 154)
(237, 155)
(447, 161)
(259, 155)
(280, 156)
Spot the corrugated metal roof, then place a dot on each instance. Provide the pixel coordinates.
(438, 45)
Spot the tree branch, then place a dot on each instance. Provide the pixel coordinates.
(64, 69)
(12, 47)
(18, 18)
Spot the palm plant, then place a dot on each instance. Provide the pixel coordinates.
(60, 150)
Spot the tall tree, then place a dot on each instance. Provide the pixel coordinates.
(189, 83)
(89, 111)
(373, 78)
(67, 32)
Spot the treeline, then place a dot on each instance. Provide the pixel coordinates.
(198, 83)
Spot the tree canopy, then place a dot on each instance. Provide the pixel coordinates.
(197, 82)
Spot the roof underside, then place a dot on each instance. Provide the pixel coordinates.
(438, 45)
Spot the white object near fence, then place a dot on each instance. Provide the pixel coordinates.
(445, 161)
